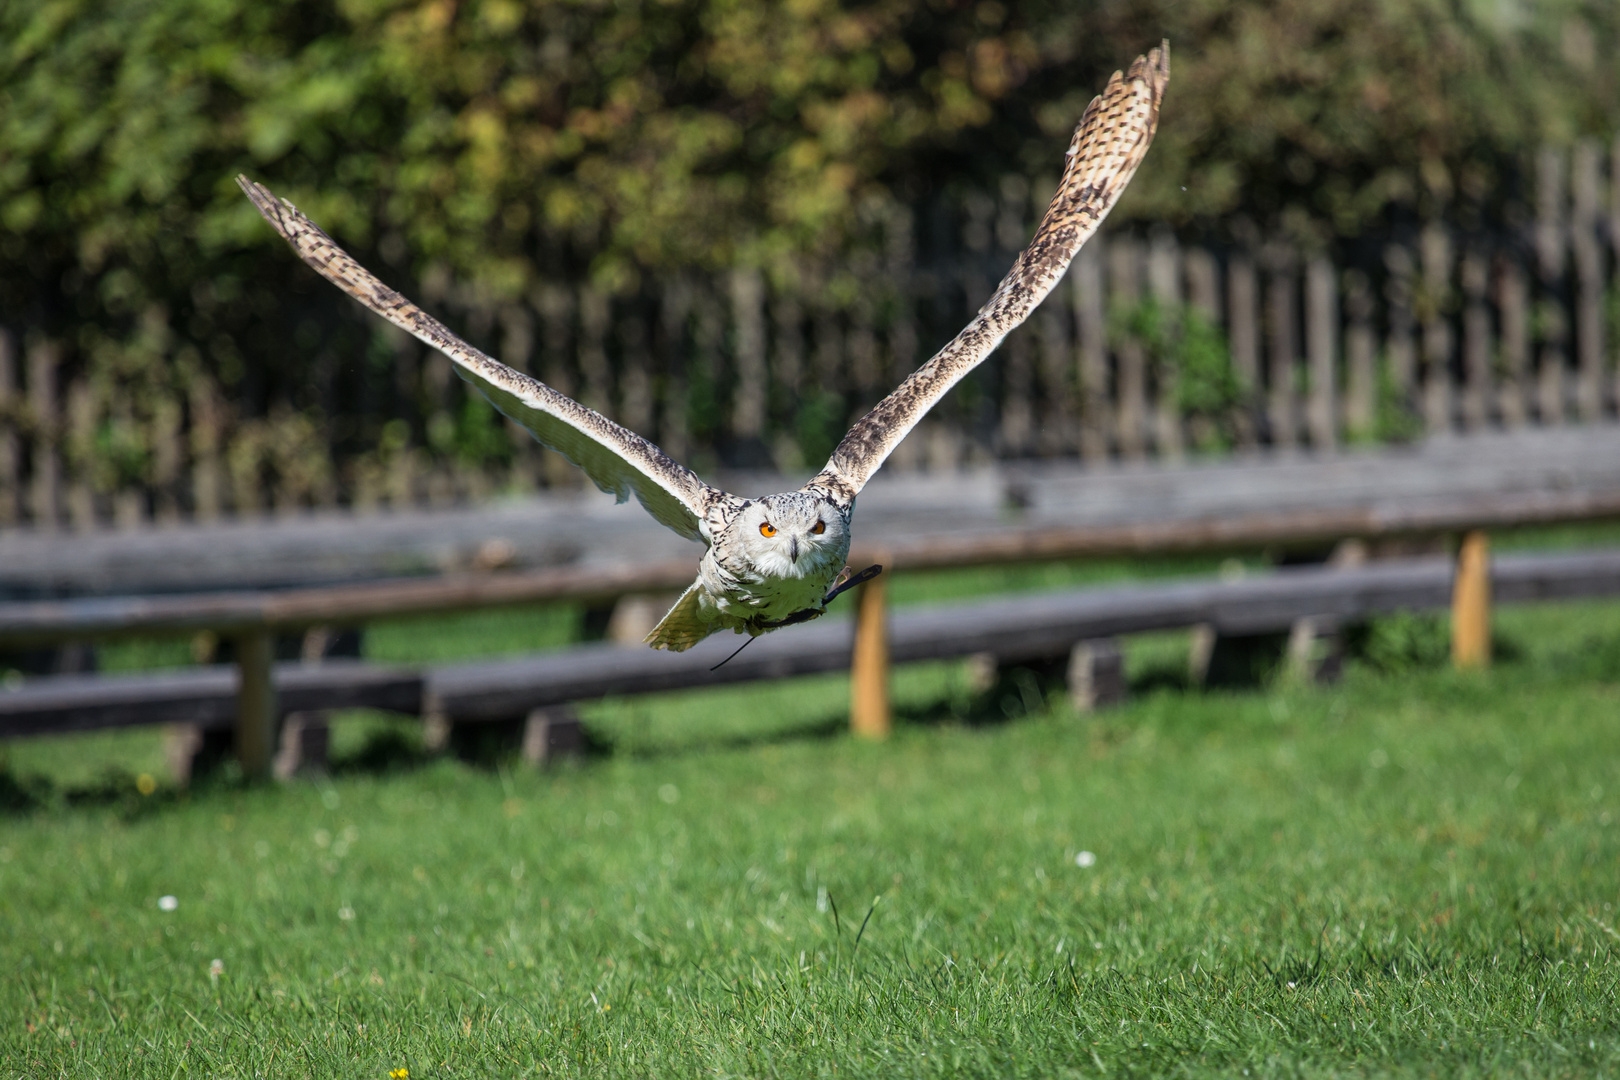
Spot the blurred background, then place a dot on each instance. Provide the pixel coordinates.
(733, 226)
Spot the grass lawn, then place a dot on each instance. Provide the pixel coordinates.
(1411, 873)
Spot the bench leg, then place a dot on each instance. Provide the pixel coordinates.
(869, 666)
(1471, 603)
(256, 714)
(1315, 651)
(551, 734)
(305, 739)
(193, 751)
(1096, 675)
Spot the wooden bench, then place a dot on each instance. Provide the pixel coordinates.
(584, 549)
(527, 692)
(1003, 512)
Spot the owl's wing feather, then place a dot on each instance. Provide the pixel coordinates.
(615, 458)
(1109, 143)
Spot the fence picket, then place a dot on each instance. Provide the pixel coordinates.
(1513, 301)
(1243, 334)
(1399, 348)
(674, 314)
(1435, 253)
(10, 442)
(1283, 351)
(1091, 339)
(1124, 277)
(1321, 341)
(1476, 345)
(1588, 258)
(1453, 330)
(1550, 237)
(1164, 284)
(44, 358)
(1360, 359)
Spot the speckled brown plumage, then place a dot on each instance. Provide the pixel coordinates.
(752, 578)
(617, 459)
(1109, 143)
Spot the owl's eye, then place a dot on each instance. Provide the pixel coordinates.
(819, 527)
(767, 529)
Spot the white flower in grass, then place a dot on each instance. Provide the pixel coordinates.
(168, 903)
(216, 968)
(1085, 860)
(345, 912)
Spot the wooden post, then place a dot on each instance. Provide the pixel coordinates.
(255, 704)
(869, 665)
(1471, 603)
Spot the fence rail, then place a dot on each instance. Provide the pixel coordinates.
(1152, 349)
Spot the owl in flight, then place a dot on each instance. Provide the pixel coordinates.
(779, 559)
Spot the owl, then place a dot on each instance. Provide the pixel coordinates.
(779, 559)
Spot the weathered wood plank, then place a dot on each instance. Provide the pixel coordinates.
(1008, 630)
(205, 697)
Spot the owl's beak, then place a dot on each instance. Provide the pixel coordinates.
(793, 549)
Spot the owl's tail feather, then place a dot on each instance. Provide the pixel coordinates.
(684, 625)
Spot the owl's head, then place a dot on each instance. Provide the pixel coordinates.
(795, 534)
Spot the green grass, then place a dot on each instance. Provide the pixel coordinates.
(1412, 873)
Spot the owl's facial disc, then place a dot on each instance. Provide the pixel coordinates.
(794, 535)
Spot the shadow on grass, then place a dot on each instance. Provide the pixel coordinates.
(127, 794)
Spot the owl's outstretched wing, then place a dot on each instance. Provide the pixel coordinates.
(1109, 143)
(618, 460)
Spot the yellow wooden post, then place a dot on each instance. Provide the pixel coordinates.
(256, 713)
(1471, 603)
(869, 666)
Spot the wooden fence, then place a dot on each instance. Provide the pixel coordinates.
(1152, 349)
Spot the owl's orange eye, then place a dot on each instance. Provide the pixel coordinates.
(767, 529)
(819, 527)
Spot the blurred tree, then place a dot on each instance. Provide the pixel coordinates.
(498, 143)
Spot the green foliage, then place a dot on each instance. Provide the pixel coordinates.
(1406, 641)
(500, 144)
(1188, 349)
(1395, 415)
